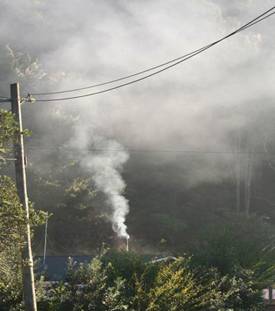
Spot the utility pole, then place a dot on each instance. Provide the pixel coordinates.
(21, 183)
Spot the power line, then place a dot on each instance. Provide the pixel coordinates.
(173, 63)
(4, 99)
(6, 159)
(134, 150)
(148, 69)
(118, 79)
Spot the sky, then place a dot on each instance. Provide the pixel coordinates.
(201, 105)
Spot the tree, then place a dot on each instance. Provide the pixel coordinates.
(90, 287)
(12, 224)
(8, 129)
(177, 288)
(105, 284)
(239, 241)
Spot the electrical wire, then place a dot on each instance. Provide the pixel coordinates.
(173, 63)
(7, 159)
(134, 150)
(149, 69)
(118, 79)
(4, 99)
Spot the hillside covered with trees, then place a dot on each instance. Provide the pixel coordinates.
(181, 166)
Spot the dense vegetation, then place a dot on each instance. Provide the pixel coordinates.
(200, 175)
(225, 253)
(12, 223)
(224, 258)
(123, 281)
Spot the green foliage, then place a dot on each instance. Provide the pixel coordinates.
(125, 264)
(233, 255)
(10, 279)
(78, 224)
(240, 241)
(88, 287)
(241, 291)
(12, 224)
(106, 285)
(12, 216)
(8, 129)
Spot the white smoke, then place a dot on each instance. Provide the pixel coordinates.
(197, 106)
(104, 159)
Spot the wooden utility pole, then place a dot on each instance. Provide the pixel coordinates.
(21, 183)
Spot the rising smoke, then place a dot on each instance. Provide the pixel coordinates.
(200, 106)
(104, 159)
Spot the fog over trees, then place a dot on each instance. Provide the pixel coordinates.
(183, 163)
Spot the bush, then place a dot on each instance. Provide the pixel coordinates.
(123, 281)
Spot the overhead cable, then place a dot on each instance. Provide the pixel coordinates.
(151, 150)
(172, 63)
(148, 69)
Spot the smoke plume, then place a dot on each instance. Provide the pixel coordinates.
(187, 118)
(104, 159)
